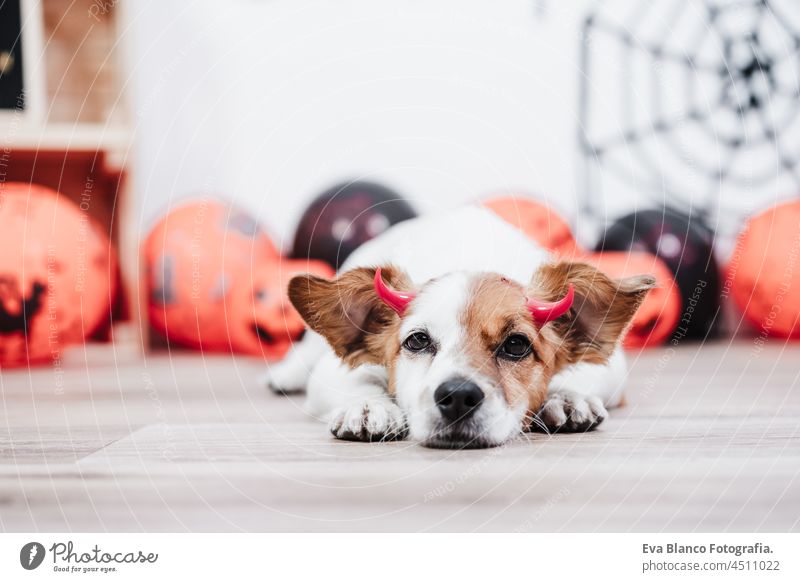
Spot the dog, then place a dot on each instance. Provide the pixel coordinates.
(458, 331)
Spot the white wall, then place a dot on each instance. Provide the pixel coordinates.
(271, 101)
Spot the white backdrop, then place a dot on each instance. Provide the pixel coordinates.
(269, 102)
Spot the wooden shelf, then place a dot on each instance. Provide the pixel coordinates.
(66, 137)
(114, 141)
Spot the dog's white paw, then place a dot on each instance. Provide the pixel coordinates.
(284, 378)
(369, 420)
(568, 411)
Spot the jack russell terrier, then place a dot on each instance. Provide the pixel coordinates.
(458, 331)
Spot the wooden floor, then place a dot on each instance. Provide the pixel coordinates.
(710, 440)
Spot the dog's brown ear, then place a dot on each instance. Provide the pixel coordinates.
(600, 315)
(348, 313)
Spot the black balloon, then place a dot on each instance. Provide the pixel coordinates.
(686, 245)
(343, 218)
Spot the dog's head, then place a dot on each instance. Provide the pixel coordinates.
(470, 355)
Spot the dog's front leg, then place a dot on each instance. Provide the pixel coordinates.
(578, 396)
(354, 402)
(291, 375)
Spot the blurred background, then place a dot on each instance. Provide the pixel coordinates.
(167, 166)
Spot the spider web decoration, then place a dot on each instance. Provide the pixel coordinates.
(692, 104)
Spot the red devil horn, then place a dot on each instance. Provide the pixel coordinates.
(397, 300)
(543, 311)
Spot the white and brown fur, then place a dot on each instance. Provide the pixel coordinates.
(472, 273)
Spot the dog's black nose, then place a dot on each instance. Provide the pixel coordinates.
(458, 398)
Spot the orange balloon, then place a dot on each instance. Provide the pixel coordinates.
(659, 314)
(57, 274)
(260, 319)
(763, 275)
(538, 221)
(195, 256)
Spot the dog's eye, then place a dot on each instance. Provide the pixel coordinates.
(417, 342)
(515, 347)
